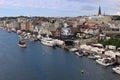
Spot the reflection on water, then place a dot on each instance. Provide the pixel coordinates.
(39, 62)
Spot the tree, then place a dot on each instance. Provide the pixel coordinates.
(111, 41)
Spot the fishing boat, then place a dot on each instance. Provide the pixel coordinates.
(22, 44)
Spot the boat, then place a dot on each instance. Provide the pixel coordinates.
(19, 32)
(13, 29)
(22, 44)
(106, 61)
(97, 57)
(73, 49)
(94, 56)
(116, 69)
(39, 37)
(58, 42)
(79, 54)
(48, 41)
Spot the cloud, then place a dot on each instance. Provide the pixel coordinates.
(113, 0)
(73, 6)
(117, 7)
(118, 13)
(88, 7)
(51, 4)
(1, 2)
(45, 4)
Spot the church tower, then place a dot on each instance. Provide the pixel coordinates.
(99, 11)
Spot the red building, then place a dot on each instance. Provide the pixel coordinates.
(57, 32)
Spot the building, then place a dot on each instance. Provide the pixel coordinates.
(66, 31)
(27, 26)
(90, 24)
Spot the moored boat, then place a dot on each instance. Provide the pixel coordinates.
(78, 54)
(58, 42)
(48, 41)
(73, 49)
(106, 61)
(94, 56)
(116, 69)
(22, 44)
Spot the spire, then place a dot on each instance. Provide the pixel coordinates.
(99, 11)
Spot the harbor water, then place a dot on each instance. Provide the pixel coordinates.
(39, 62)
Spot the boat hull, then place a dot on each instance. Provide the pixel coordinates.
(23, 45)
(117, 70)
(78, 54)
(102, 63)
(48, 42)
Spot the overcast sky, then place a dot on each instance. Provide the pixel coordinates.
(57, 7)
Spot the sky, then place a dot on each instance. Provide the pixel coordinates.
(58, 8)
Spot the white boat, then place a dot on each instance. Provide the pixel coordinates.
(9, 30)
(116, 69)
(58, 42)
(91, 57)
(78, 54)
(105, 61)
(48, 41)
(39, 37)
(73, 49)
(97, 57)
(13, 29)
(94, 56)
(19, 32)
(22, 44)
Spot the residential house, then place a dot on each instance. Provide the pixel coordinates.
(66, 31)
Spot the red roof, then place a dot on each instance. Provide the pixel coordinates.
(44, 19)
(90, 23)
